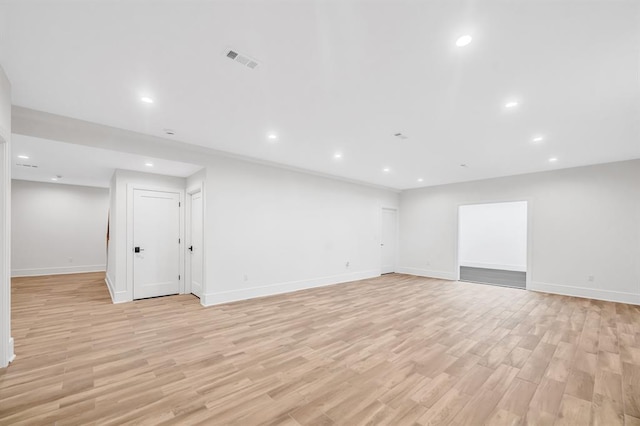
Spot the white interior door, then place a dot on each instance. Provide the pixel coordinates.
(156, 234)
(388, 240)
(195, 241)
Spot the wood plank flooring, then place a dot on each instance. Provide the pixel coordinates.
(395, 350)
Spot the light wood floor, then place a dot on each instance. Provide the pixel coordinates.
(396, 350)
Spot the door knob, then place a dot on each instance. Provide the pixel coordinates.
(137, 249)
(191, 248)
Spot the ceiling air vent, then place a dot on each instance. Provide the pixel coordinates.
(27, 165)
(242, 59)
(400, 136)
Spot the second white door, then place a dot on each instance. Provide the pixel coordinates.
(156, 242)
(195, 244)
(388, 240)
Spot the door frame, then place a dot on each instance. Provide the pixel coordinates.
(397, 239)
(7, 354)
(456, 254)
(130, 243)
(198, 187)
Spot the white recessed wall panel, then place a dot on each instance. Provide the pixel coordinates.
(585, 228)
(58, 228)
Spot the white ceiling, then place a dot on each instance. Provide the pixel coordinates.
(82, 165)
(345, 76)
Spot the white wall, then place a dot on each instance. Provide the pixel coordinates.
(493, 236)
(119, 279)
(584, 222)
(271, 230)
(284, 229)
(57, 228)
(267, 230)
(6, 342)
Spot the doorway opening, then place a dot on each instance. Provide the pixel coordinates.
(492, 243)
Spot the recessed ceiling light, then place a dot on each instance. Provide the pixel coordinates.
(54, 179)
(538, 139)
(24, 157)
(511, 104)
(420, 180)
(386, 170)
(464, 40)
(553, 159)
(337, 155)
(148, 164)
(272, 136)
(146, 100)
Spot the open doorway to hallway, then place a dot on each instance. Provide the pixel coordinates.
(492, 243)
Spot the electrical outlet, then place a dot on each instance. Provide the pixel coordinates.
(347, 264)
(591, 278)
(70, 260)
(246, 278)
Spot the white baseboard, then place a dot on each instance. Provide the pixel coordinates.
(428, 273)
(116, 296)
(57, 270)
(12, 353)
(218, 298)
(109, 284)
(500, 266)
(121, 297)
(107, 280)
(589, 293)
